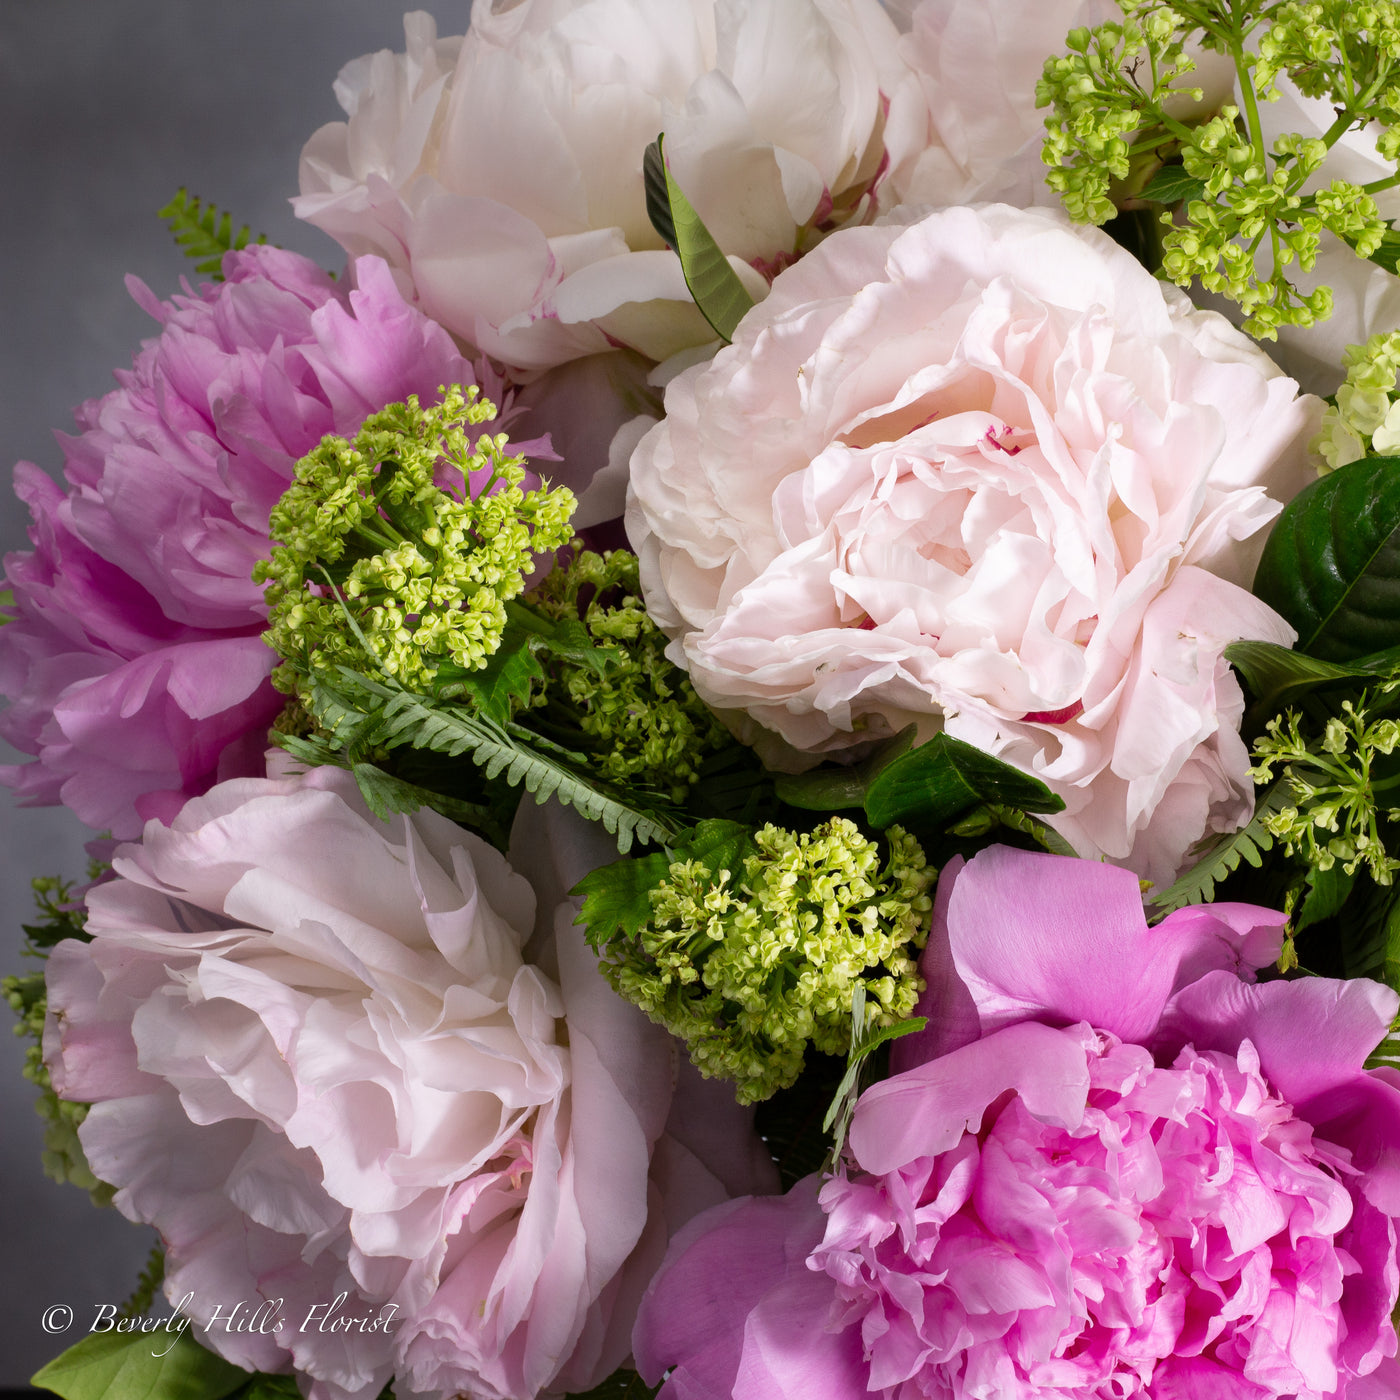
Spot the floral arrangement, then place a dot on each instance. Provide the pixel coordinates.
(748, 758)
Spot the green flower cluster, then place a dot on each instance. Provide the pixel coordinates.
(748, 970)
(379, 567)
(1334, 783)
(651, 726)
(1366, 417)
(1119, 110)
(63, 1157)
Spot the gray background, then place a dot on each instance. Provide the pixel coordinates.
(105, 109)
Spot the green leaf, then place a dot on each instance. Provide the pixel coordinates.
(1279, 675)
(506, 677)
(1331, 566)
(1217, 856)
(204, 233)
(120, 1366)
(831, 789)
(1327, 891)
(866, 1037)
(363, 714)
(658, 193)
(264, 1387)
(941, 779)
(616, 897)
(621, 1385)
(1172, 185)
(715, 285)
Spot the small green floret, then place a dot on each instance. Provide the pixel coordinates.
(750, 969)
(385, 562)
(652, 727)
(63, 1157)
(1334, 816)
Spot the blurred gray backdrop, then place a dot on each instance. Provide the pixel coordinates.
(105, 109)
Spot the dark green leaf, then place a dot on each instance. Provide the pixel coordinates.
(1331, 566)
(621, 1385)
(506, 677)
(830, 789)
(1327, 891)
(715, 285)
(615, 897)
(120, 1366)
(1279, 675)
(658, 195)
(938, 781)
(1171, 185)
(263, 1387)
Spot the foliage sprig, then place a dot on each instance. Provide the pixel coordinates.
(1333, 776)
(1120, 128)
(60, 916)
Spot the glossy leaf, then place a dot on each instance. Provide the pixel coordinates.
(832, 789)
(1278, 675)
(938, 781)
(124, 1366)
(1172, 185)
(718, 292)
(1331, 566)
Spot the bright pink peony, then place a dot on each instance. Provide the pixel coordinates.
(134, 665)
(1114, 1166)
(329, 1056)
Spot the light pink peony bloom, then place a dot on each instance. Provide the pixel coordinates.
(1114, 1165)
(324, 1064)
(134, 666)
(500, 174)
(981, 472)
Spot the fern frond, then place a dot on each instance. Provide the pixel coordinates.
(204, 232)
(1217, 857)
(363, 712)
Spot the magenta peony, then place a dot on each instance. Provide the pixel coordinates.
(134, 665)
(981, 473)
(324, 1063)
(1113, 1166)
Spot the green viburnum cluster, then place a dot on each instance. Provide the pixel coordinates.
(748, 969)
(63, 1157)
(642, 709)
(379, 568)
(1366, 417)
(1119, 110)
(1335, 817)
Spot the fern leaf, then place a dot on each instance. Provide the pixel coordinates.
(204, 232)
(1217, 857)
(361, 711)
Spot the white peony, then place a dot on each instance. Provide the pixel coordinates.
(500, 174)
(982, 472)
(325, 1064)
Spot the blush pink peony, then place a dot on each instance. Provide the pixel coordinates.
(1114, 1165)
(134, 664)
(981, 472)
(324, 1063)
(500, 173)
